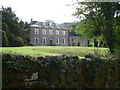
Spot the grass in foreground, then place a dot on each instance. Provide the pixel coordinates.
(53, 50)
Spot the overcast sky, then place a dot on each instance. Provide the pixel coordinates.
(40, 10)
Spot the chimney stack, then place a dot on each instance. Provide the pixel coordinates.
(31, 21)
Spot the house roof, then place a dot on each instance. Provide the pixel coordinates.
(47, 25)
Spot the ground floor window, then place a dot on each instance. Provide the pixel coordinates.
(36, 40)
(44, 40)
(63, 40)
(57, 41)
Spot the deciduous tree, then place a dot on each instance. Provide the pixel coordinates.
(97, 19)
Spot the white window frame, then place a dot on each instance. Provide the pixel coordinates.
(63, 32)
(63, 40)
(44, 31)
(36, 31)
(37, 39)
(50, 32)
(44, 38)
(57, 41)
(57, 32)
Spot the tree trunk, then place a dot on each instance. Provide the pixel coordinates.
(108, 26)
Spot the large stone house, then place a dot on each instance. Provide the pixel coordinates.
(52, 34)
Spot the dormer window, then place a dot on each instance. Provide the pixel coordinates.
(36, 31)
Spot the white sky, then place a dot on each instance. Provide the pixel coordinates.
(40, 10)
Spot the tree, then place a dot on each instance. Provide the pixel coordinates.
(19, 41)
(98, 20)
(13, 28)
(117, 27)
(71, 27)
(4, 39)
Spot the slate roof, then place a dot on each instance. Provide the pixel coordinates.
(47, 25)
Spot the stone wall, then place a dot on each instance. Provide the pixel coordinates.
(58, 72)
(75, 41)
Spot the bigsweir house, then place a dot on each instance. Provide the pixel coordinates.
(52, 34)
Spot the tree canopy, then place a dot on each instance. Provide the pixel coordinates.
(71, 27)
(14, 29)
(97, 19)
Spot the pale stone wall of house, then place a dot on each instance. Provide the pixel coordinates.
(76, 41)
(69, 40)
(48, 37)
(84, 42)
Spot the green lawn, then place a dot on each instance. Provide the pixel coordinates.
(53, 50)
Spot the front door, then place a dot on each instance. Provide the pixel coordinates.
(51, 42)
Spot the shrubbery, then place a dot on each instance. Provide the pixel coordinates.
(59, 72)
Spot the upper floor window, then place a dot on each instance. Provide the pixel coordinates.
(44, 40)
(57, 32)
(63, 32)
(43, 31)
(63, 40)
(36, 31)
(50, 32)
(36, 40)
(57, 41)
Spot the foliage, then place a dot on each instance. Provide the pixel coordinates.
(97, 19)
(59, 72)
(72, 27)
(19, 41)
(15, 29)
(117, 32)
(4, 39)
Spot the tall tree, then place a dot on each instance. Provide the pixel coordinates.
(72, 27)
(98, 20)
(4, 39)
(11, 26)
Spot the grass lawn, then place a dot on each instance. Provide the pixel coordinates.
(53, 50)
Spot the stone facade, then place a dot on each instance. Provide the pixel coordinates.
(51, 34)
(76, 41)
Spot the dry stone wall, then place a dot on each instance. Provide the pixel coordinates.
(58, 72)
